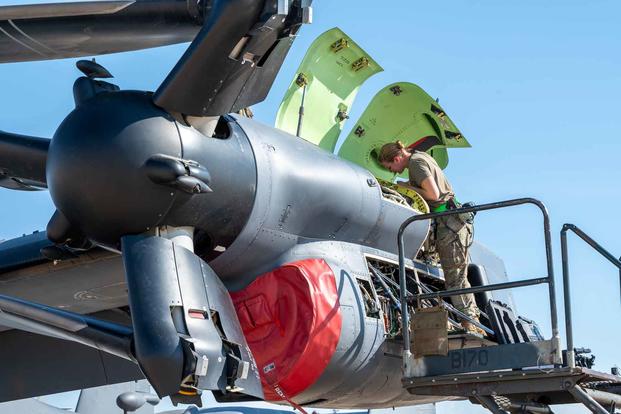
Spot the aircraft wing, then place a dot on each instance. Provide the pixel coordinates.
(30, 406)
(90, 283)
(102, 400)
(64, 30)
(34, 365)
(83, 282)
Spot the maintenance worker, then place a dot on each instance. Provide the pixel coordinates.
(454, 234)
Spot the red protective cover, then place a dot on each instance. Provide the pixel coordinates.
(292, 321)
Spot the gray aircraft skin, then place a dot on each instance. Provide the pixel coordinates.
(165, 204)
(99, 400)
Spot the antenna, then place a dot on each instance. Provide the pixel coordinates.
(132, 401)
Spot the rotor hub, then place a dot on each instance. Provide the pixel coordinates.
(96, 170)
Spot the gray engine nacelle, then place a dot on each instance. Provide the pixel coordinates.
(319, 332)
(304, 193)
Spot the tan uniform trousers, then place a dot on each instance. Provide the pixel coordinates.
(453, 238)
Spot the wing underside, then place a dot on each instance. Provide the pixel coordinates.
(32, 364)
(64, 30)
(84, 283)
(89, 283)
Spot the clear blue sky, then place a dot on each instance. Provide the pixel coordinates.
(534, 86)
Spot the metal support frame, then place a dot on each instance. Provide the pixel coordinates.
(301, 112)
(571, 357)
(604, 398)
(517, 389)
(473, 378)
(551, 382)
(483, 207)
(477, 289)
(490, 404)
(588, 401)
(482, 359)
(531, 408)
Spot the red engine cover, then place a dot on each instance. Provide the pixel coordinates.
(292, 321)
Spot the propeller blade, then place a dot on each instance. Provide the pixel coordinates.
(22, 161)
(65, 30)
(42, 11)
(13, 183)
(186, 333)
(233, 61)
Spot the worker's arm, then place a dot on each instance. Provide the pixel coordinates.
(421, 176)
(428, 189)
(431, 192)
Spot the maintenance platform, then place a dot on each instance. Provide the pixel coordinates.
(519, 371)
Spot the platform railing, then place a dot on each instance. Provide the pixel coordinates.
(571, 357)
(549, 279)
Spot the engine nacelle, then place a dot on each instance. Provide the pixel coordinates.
(317, 331)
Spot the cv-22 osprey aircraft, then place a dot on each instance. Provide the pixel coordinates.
(197, 249)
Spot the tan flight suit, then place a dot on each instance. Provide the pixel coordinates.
(453, 233)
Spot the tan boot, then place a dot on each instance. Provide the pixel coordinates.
(472, 329)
